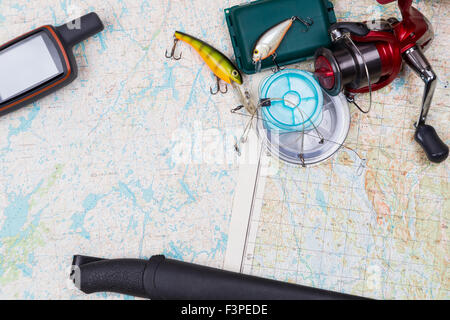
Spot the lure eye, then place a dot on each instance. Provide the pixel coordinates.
(234, 73)
(256, 52)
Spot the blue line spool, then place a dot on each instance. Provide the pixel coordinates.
(297, 101)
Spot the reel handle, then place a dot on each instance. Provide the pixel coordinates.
(435, 149)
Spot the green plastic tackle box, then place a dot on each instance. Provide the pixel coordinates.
(247, 22)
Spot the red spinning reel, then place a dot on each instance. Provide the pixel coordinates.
(368, 56)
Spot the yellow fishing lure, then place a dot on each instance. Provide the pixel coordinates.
(219, 64)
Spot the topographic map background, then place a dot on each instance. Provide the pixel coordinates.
(91, 169)
(381, 232)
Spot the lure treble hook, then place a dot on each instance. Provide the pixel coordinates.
(277, 67)
(308, 22)
(172, 53)
(218, 88)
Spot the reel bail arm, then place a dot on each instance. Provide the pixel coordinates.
(436, 150)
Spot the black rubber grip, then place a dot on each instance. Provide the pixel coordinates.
(166, 279)
(123, 276)
(435, 149)
(80, 29)
(355, 28)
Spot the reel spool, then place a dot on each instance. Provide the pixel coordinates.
(305, 131)
(345, 68)
(356, 66)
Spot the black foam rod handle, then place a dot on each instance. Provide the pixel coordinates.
(80, 29)
(123, 276)
(435, 149)
(165, 279)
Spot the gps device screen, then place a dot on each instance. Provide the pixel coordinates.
(27, 65)
(41, 61)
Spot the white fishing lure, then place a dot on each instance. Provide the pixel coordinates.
(270, 40)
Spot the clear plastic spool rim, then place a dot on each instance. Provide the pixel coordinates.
(334, 127)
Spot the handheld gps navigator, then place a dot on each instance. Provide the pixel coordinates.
(40, 62)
